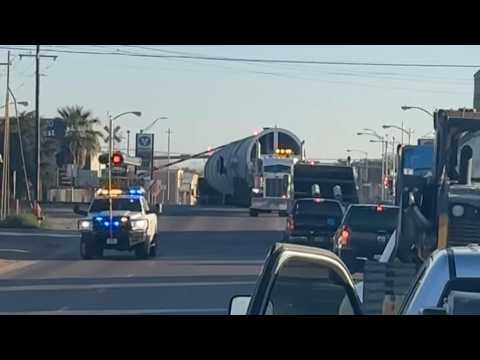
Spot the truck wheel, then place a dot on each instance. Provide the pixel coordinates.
(87, 249)
(99, 251)
(142, 250)
(153, 247)
(253, 213)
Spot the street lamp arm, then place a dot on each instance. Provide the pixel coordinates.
(357, 150)
(398, 128)
(418, 108)
(137, 113)
(153, 123)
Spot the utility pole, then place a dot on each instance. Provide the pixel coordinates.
(5, 196)
(169, 132)
(37, 188)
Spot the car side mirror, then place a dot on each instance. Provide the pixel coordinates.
(239, 305)
(433, 311)
(76, 210)
(411, 199)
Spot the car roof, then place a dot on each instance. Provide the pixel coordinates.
(465, 258)
(118, 197)
(302, 249)
(375, 205)
(306, 249)
(322, 199)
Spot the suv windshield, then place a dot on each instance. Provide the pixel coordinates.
(99, 205)
(368, 218)
(320, 208)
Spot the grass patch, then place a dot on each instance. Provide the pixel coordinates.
(25, 221)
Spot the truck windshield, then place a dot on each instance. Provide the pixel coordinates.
(99, 205)
(322, 208)
(368, 218)
(276, 168)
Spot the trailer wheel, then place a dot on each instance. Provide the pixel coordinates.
(253, 213)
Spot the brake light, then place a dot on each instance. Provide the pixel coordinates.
(290, 223)
(380, 208)
(344, 237)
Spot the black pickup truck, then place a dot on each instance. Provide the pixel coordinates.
(313, 222)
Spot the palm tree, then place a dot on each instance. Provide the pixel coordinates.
(80, 134)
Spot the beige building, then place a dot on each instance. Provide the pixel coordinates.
(183, 187)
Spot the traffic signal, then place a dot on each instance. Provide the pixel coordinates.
(103, 159)
(117, 159)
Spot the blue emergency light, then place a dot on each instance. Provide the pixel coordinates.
(136, 191)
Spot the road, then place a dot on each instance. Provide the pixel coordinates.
(206, 256)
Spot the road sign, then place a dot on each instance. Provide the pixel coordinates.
(144, 150)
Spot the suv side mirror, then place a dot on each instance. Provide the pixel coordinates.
(76, 210)
(239, 305)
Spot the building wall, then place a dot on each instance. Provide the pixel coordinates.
(476, 91)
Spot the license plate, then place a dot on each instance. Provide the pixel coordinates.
(112, 241)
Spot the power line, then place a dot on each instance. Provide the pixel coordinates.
(257, 60)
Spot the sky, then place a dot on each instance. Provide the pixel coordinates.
(210, 103)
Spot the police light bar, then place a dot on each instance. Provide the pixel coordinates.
(105, 192)
(137, 190)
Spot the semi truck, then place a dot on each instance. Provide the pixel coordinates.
(273, 183)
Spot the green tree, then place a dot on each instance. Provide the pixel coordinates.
(80, 134)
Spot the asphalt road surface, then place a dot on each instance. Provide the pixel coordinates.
(206, 256)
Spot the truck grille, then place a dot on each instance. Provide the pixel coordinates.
(274, 187)
(466, 229)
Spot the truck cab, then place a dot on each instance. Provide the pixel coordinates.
(118, 220)
(275, 184)
(441, 209)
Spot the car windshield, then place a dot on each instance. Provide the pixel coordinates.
(99, 205)
(318, 208)
(369, 218)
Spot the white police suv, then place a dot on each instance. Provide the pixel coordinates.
(130, 226)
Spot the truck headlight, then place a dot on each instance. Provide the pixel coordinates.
(139, 224)
(84, 225)
(458, 210)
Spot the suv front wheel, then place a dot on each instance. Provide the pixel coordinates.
(142, 250)
(88, 248)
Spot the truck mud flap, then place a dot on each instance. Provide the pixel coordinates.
(385, 285)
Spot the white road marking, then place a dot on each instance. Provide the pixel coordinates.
(57, 235)
(118, 312)
(14, 250)
(120, 286)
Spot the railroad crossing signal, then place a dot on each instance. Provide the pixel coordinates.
(117, 137)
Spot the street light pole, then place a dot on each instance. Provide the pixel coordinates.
(381, 139)
(110, 152)
(169, 131)
(128, 142)
(366, 162)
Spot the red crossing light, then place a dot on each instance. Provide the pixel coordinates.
(117, 159)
